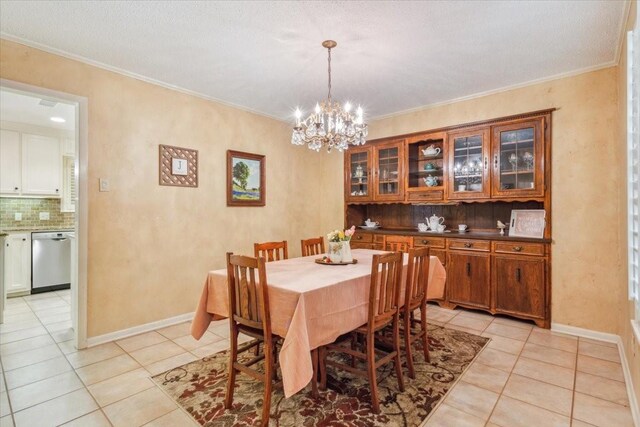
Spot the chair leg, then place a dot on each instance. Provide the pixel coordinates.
(407, 344)
(354, 339)
(256, 350)
(274, 355)
(425, 335)
(233, 357)
(268, 383)
(322, 356)
(371, 371)
(314, 380)
(396, 348)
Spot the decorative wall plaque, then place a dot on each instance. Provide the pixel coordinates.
(527, 223)
(178, 166)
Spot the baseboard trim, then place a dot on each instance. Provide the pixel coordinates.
(585, 333)
(611, 338)
(147, 327)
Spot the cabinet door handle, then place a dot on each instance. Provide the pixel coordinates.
(518, 275)
(517, 248)
(468, 269)
(468, 245)
(495, 161)
(15, 188)
(424, 242)
(57, 190)
(24, 240)
(486, 163)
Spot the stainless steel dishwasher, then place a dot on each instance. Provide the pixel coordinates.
(50, 261)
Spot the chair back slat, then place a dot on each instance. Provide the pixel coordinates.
(271, 251)
(248, 294)
(386, 270)
(313, 246)
(398, 243)
(417, 276)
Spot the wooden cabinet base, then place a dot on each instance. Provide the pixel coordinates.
(541, 323)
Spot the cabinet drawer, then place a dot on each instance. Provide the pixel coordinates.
(432, 242)
(378, 238)
(430, 195)
(519, 248)
(362, 238)
(470, 245)
(357, 245)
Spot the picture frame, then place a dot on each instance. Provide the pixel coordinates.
(527, 223)
(246, 179)
(178, 166)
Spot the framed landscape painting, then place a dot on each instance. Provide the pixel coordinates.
(246, 184)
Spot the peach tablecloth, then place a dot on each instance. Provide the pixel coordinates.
(311, 305)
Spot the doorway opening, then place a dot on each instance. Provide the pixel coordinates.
(43, 214)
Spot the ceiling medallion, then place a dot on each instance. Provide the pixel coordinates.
(330, 125)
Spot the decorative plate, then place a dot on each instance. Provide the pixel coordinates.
(325, 261)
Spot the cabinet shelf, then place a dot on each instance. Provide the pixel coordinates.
(518, 172)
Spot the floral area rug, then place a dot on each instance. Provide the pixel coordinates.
(199, 387)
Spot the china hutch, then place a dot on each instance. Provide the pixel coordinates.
(473, 174)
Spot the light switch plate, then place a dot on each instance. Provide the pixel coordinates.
(104, 184)
(18, 216)
(44, 216)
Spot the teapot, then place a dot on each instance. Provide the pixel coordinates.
(370, 223)
(431, 151)
(431, 181)
(434, 222)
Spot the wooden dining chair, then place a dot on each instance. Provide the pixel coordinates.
(249, 314)
(416, 298)
(313, 246)
(398, 243)
(384, 296)
(271, 251)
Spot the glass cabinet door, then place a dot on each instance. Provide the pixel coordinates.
(425, 161)
(388, 165)
(518, 152)
(468, 164)
(359, 174)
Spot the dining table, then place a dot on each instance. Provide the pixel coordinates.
(311, 305)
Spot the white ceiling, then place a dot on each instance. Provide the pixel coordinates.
(19, 108)
(267, 56)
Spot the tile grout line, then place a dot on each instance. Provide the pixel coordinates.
(508, 378)
(575, 379)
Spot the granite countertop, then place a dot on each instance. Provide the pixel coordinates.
(6, 231)
(478, 235)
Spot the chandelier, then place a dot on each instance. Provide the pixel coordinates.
(330, 125)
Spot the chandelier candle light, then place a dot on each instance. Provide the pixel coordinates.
(330, 125)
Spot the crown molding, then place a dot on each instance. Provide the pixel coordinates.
(130, 74)
(500, 90)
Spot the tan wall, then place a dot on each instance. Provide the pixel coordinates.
(151, 246)
(586, 186)
(631, 345)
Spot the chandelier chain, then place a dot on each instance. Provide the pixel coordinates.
(329, 96)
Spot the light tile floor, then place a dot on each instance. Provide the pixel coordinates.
(527, 376)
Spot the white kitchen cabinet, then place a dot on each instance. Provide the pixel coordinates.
(10, 179)
(41, 165)
(17, 263)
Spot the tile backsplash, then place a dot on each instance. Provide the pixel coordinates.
(30, 210)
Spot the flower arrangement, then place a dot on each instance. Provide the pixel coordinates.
(341, 236)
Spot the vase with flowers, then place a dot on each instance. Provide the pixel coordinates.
(339, 246)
